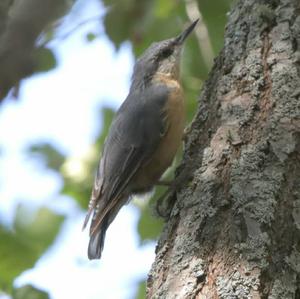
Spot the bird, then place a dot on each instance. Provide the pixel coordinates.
(143, 138)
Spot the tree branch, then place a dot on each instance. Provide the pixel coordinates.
(26, 20)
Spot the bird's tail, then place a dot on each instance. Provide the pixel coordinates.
(99, 226)
(96, 243)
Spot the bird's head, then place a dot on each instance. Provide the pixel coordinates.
(161, 57)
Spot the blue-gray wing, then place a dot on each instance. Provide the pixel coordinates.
(134, 135)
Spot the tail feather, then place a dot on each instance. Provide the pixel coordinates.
(87, 218)
(96, 243)
(98, 228)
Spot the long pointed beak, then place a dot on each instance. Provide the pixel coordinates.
(181, 38)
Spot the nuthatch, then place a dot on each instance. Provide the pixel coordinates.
(143, 138)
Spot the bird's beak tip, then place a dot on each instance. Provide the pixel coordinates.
(182, 37)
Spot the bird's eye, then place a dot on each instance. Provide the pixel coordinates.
(166, 52)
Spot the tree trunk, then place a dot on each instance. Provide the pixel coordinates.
(234, 228)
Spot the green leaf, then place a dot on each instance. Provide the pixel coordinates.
(117, 27)
(45, 59)
(149, 227)
(125, 20)
(91, 36)
(51, 156)
(23, 246)
(141, 291)
(29, 292)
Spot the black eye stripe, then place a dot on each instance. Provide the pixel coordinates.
(166, 52)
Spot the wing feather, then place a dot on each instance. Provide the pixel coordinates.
(134, 135)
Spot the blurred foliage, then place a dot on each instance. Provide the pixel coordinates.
(140, 22)
(91, 36)
(29, 292)
(141, 291)
(47, 154)
(214, 16)
(149, 224)
(78, 185)
(23, 244)
(45, 59)
(77, 172)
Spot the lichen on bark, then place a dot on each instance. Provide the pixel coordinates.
(233, 231)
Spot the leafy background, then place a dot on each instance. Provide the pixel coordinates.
(31, 232)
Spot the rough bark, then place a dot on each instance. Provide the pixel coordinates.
(234, 228)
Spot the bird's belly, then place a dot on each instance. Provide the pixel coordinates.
(163, 156)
